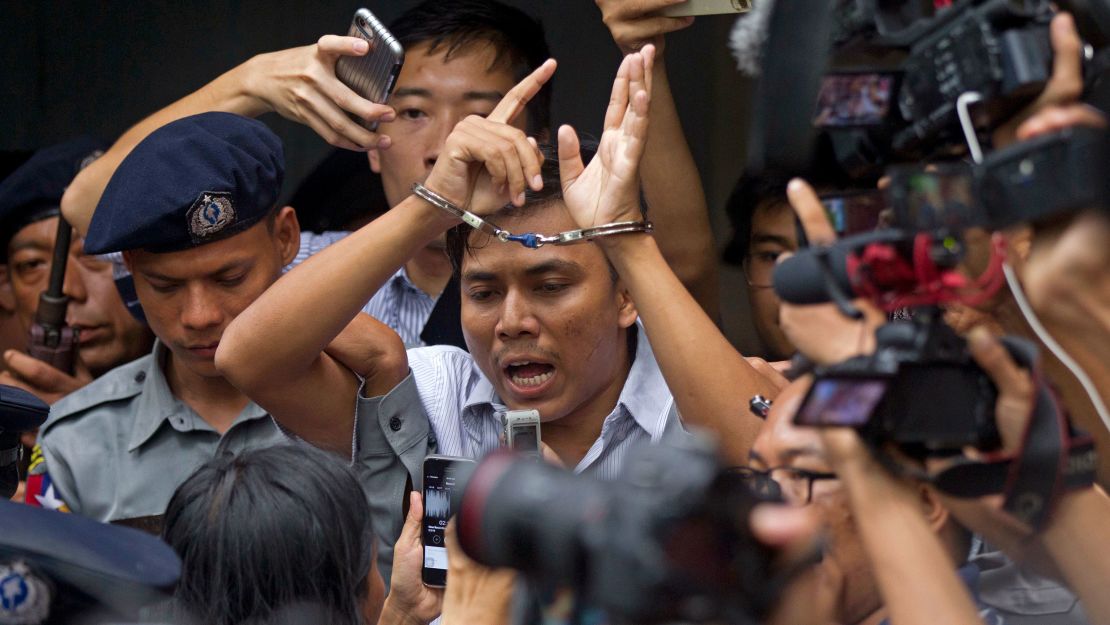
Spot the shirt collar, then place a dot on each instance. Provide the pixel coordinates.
(645, 396)
(156, 403)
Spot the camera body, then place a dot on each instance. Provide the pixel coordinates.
(919, 61)
(668, 540)
(920, 389)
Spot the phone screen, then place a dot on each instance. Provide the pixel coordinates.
(855, 99)
(854, 212)
(439, 484)
(841, 402)
(525, 438)
(937, 198)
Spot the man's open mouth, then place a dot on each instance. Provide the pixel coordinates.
(526, 374)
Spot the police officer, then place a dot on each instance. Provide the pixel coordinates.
(107, 335)
(59, 568)
(193, 209)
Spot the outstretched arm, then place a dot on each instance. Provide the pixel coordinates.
(309, 306)
(298, 83)
(711, 381)
(671, 184)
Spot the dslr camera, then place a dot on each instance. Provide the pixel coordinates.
(668, 541)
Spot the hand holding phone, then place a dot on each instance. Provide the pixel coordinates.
(439, 484)
(707, 7)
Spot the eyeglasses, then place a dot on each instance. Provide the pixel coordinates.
(795, 486)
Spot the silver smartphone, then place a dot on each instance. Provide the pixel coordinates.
(522, 431)
(374, 74)
(707, 7)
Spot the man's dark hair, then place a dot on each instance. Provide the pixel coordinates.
(462, 238)
(457, 25)
(267, 530)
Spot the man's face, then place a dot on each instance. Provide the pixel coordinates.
(432, 95)
(109, 336)
(546, 326)
(191, 296)
(782, 444)
(773, 233)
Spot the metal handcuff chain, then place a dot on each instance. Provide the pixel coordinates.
(530, 240)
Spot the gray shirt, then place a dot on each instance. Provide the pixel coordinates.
(118, 448)
(447, 406)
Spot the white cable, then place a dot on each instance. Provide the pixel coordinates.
(1053, 346)
(963, 103)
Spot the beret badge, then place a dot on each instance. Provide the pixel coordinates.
(211, 213)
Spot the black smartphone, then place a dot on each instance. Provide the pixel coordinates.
(374, 74)
(439, 484)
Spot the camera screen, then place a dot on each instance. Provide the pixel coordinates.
(841, 401)
(853, 213)
(525, 438)
(439, 482)
(853, 100)
(938, 198)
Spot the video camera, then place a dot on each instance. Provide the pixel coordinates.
(667, 541)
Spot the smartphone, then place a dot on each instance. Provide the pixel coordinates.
(522, 431)
(707, 7)
(439, 484)
(374, 74)
(841, 401)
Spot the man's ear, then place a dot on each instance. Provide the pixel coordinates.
(7, 296)
(626, 308)
(375, 161)
(287, 234)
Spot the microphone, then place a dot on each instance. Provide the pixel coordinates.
(748, 36)
(803, 278)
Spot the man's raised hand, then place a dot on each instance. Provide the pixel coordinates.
(608, 190)
(487, 163)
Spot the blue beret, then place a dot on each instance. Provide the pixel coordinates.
(34, 190)
(193, 181)
(91, 566)
(20, 411)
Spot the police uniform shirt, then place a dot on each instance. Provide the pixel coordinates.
(447, 406)
(118, 448)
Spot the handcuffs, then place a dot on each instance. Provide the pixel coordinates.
(531, 240)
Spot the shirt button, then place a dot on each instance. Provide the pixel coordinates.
(395, 423)
(140, 377)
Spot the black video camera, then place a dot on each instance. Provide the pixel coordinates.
(898, 69)
(667, 541)
(920, 389)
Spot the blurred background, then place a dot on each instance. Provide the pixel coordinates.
(97, 67)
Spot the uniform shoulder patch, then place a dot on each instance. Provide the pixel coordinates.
(121, 383)
(40, 492)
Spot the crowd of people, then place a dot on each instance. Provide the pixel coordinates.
(262, 398)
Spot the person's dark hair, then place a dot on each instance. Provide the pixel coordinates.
(267, 529)
(462, 238)
(457, 25)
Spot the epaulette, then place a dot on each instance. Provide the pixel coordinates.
(123, 382)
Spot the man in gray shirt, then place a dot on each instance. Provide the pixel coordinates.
(193, 209)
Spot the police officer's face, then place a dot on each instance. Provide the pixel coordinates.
(109, 335)
(190, 297)
(546, 326)
(845, 572)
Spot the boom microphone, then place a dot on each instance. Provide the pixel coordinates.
(802, 278)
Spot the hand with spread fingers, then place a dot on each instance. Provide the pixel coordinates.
(608, 189)
(486, 163)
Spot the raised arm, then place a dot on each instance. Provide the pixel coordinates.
(298, 83)
(295, 320)
(711, 381)
(671, 183)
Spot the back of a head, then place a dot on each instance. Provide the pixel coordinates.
(267, 530)
(455, 25)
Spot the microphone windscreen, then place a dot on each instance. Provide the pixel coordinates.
(800, 279)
